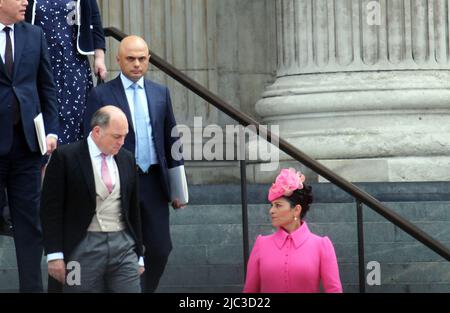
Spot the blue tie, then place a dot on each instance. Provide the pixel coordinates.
(141, 129)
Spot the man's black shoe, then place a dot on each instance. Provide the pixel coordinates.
(5, 227)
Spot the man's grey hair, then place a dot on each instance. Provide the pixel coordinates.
(100, 118)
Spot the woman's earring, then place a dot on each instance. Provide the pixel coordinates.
(295, 218)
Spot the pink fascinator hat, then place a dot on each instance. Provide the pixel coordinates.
(286, 183)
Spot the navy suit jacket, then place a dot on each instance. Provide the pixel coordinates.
(33, 85)
(161, 115)
(90, 30)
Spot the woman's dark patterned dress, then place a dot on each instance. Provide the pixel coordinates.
(71, 69)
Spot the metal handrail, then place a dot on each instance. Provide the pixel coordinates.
(292, 151)
(360, 231)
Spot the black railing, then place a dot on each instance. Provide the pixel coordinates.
(361, 262)
(361, 196)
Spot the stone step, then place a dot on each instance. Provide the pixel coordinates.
(374, 232)
(208, 234)
(402, 273)
(382, 242)
(207, 238)
(434, 287)
(200, 289)
(9, 279)
(397, 252)
(318, 213)
(324, 192)
(395, 277)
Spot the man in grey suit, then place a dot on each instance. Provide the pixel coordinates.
(90, 210)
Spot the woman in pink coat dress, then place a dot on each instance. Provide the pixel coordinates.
(292, 259)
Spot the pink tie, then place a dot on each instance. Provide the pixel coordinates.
(105, 174)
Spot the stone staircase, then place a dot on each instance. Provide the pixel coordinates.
(207, 237)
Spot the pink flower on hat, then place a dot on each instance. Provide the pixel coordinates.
(286, 183)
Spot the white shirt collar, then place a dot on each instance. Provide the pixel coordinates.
(3, 26)
(127, 82)
(94, 151)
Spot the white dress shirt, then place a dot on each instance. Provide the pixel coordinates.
(3, 40)
(129, 92)
(96, 159)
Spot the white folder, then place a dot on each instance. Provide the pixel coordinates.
(40, 132)
(178, 184)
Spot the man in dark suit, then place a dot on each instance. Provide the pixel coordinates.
(148, 108)
(90, 210)
(26, 89)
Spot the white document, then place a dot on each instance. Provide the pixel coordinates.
(178, 184)
(40, 132)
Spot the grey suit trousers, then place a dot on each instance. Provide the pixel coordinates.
(105, 262)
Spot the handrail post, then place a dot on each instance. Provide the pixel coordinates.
(245, 239)
(243, 164)
(361, 262)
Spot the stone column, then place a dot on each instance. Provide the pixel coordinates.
(364, 86)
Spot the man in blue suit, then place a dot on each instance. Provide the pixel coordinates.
(148, 108)
(26, 89)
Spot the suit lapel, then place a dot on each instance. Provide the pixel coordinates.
(19, 43)
(121, 167)
(87, 168)
(119, 93)
(152, 109)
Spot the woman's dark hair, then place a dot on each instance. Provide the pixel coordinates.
(304, 197)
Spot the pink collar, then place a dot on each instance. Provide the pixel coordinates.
(298, 237)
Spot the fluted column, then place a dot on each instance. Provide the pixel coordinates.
(334, 35)
(364, 86)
